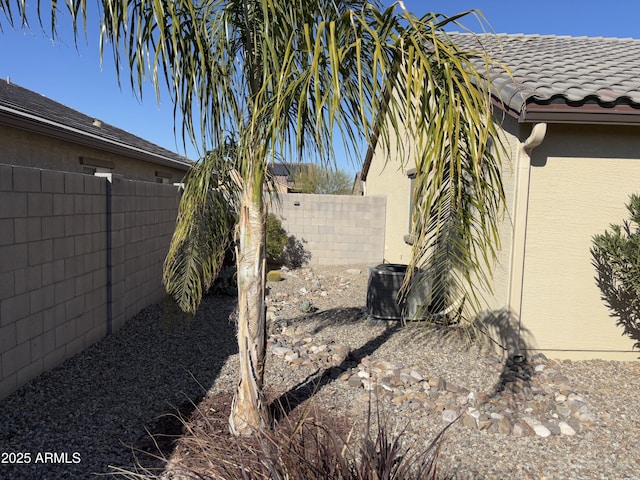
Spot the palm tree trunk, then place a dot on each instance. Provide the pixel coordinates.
(249, 411)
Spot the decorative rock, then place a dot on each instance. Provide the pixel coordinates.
(281, 351)
(289, 357)
(434, 381)
(563, 411)
(473, 412)
(442, 384)
(553, 426)
(521, 429)
(566, 429)
(504, 426)
(469, 422)
(531, 398)
(368, 384)
(449, 415)
(399, 399)
(587, 418)
(355, 381)
(485, 423)
(541, 430)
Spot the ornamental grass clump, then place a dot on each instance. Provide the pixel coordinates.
(313, 446)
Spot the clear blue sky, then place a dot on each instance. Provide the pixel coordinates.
(76, 79)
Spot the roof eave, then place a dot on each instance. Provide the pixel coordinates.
(583, 114)
(38, 125)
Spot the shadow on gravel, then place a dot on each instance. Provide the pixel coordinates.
(288, 401)
(103, 403)
(334, 316)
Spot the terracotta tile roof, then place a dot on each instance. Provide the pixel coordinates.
(36, 111)
(571, 71)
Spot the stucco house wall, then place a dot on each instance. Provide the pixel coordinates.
(38, 132)
(29, 149)
(581, 179)
(572, 161)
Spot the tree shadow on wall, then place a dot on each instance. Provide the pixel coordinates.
(502, 331)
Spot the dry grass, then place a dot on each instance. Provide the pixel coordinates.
(306, 444)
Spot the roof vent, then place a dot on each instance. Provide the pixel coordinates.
(8, 80)
(97, 123)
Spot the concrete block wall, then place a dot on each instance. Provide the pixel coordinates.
(79, 255)
(53, 261)
(143, 220)
(336, 229)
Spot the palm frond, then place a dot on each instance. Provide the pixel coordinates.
(458, 196)
(203, 233)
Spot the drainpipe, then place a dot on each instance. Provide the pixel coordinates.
(521, 208)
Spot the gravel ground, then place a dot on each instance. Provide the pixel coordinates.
(102, 404)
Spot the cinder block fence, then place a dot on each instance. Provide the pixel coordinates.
(79, 255)
(336, 229)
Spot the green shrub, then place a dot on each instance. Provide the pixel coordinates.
(295, 255)
(616, 257)
(282, 248)
(276, 238)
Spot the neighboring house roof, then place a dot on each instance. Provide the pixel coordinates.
(286, 174)
(560, 78)
(557, 79)
(289, 170)
(24, 109)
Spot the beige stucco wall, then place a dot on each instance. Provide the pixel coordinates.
(581, 179)
(387, 177)
(544, 288)
(28, 149)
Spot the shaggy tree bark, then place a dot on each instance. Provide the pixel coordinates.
(249, 411)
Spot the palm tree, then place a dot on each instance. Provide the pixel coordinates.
(268, 78)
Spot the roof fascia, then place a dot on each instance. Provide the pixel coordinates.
(42, 126)
(584, 114)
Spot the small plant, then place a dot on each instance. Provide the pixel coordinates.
(616, 257)
(307, 307)
(294, 254)
(274, 276)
